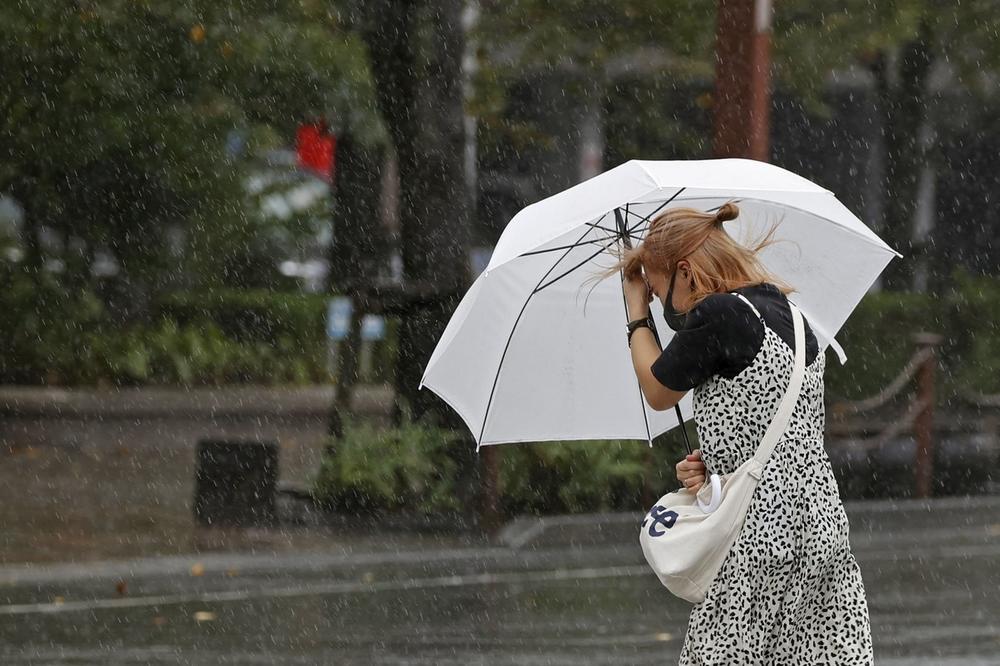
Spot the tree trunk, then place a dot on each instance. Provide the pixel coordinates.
(357, 254)
(416, 50)
(33, 259)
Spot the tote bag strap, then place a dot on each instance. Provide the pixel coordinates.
(787, 404)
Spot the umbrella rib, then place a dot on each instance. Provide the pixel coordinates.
(621, 271)
(561, 276)
(489, 402)
(607, 245)
(614, 233)
(577, 244)
(708, 210)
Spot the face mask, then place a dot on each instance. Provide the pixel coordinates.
(674, 319)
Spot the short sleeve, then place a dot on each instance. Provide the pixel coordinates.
(721, 336)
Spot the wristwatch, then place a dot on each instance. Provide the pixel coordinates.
(646, 321)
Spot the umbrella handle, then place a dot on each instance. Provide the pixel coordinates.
(716, 498)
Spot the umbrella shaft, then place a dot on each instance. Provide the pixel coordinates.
(680, 422)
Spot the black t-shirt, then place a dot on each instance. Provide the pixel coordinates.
(722, 336)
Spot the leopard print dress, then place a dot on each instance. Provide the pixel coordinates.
(790, 590)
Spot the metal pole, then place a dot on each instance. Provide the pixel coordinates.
(924, 422)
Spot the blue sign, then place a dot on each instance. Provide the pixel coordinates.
(372, 327)
(338, 321)
(338, 318)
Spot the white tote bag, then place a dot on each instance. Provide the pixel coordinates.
(686, 536)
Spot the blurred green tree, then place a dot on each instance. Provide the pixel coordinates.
(114, 120)
(919, 53)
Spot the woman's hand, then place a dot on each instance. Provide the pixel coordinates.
(637, 297)
(691, 471)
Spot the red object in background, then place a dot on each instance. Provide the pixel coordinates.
(316, 147)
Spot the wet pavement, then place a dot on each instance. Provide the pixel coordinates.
(557, 591)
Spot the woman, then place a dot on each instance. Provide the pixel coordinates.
(790, 590)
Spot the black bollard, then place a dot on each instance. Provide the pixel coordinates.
(236, 483)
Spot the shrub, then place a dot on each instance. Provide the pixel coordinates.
(413, 468)
(974, 333)
(55, 334)
(389, 469)
(47, 330)
(878, 343)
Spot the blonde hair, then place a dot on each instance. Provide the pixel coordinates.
(718, 263)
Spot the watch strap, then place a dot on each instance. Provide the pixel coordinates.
(636, 324)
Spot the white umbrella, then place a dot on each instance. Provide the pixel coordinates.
(532, 354)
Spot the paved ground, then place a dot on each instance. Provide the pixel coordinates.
(560, 591)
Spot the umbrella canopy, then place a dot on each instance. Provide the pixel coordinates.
(536, 351)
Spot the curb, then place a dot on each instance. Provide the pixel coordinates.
(165, 402)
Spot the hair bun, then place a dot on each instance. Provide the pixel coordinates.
(728, 211)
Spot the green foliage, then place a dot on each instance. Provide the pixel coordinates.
(814, 37)
(200, 355)
(586, 41)
(573, 477)
(674, 42)
(45, 328)
(974, 333)
(55, 335)
(591, 33)
(877, 339)
(253, 315)
(404, 468)
(269, 326)
(653, 117)
(413, 468)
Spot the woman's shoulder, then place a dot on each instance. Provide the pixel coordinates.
(773, 304)
(722, 306)
(762, 289)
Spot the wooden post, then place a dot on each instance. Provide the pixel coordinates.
(923, 425)
(347, 371)
(742, 103)
(490, 509)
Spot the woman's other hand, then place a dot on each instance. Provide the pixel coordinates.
(691, 471)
